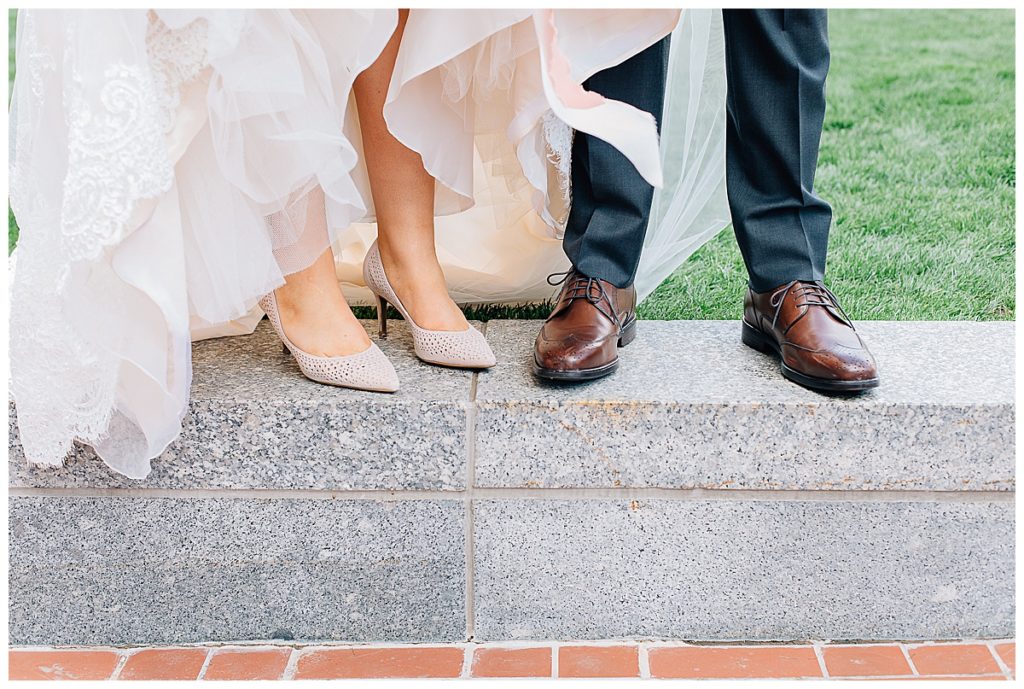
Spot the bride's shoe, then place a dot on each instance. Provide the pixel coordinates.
(457, 348)
(369, 369)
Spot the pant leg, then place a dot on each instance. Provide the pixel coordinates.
(776, 62)
(611, 202)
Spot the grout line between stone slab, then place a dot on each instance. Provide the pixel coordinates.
(906, 656)
(554, 660)
(467, 662)
(470, 540)
(1003, 667)
(292, 665)
(820, 655)
(121, 660)
(305, 644)
(206, 663)
(644, 660)
(470, 492)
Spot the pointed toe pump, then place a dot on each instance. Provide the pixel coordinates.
(369, 369)
(455, 348)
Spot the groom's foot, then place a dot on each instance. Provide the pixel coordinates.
(579, 341)
(802, 323)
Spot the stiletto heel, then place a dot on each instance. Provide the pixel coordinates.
(458, 348)
(369, 369)
(382, 317)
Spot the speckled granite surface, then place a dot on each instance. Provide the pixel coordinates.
(742, 570)
(152, 570)
(693, 407)
(256, 422)
(690, 408)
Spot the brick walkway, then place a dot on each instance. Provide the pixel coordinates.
(964, 659)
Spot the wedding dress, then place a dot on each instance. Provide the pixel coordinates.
(168, 168)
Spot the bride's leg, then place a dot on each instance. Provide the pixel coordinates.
(403, 194)
(314, 313)
(313, 310)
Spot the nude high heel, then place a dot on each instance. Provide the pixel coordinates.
(456, 348)
(369, 369)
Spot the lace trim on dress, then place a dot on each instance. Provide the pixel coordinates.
(558, 136)
(116, 157)
(558, 139)
(116, 152)
(176, 56)
(64, 383)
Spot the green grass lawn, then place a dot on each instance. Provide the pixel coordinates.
(917, 159)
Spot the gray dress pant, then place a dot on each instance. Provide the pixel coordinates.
(776, 63)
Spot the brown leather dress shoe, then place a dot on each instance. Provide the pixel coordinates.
(580, 339)
(803, 324)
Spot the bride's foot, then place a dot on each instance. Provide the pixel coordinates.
(445, 343)
(315, 324)
(319, 321)
(416, 277)
(314, 313)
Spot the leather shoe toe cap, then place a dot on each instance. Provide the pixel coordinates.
(837, 363)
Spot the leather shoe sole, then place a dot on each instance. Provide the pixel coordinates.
(575, 375)
(763, 343)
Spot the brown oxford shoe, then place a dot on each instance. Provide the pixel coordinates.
(580, 339)
(803, 324)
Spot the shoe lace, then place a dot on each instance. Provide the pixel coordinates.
(576, 285)
(808, 294)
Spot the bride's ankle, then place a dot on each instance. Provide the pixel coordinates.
(292, 302)
(320, 324)
(408, 256)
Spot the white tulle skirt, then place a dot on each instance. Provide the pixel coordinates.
(170, 167)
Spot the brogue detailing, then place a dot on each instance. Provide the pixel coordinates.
(812, 333)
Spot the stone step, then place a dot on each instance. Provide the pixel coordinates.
(695, 494)
(691, 408)
(694, 408)
(256, 422)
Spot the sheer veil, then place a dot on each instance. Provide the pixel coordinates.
(498, 244)
(691, 207)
